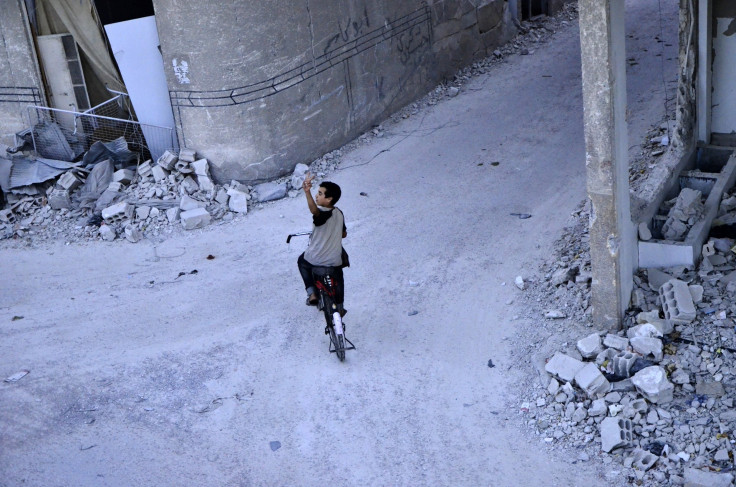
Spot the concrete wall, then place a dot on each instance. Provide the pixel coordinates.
(258, 87)
(20, 84)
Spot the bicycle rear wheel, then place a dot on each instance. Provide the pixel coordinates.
(338, 341)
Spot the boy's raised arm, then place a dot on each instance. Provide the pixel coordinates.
(307, 185)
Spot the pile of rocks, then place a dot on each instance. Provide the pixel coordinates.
(658, 396)
(140, 200)
(682, 213)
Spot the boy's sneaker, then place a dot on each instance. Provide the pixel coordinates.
(312, 301)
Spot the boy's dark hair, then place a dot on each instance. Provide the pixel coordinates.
(332, 190)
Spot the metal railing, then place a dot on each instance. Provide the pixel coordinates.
(66, 134)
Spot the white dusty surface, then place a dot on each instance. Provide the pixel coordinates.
(138, 377)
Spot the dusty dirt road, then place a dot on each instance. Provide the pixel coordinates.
(222, 377)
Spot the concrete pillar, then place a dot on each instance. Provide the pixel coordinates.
(704, 68)
(612, 243)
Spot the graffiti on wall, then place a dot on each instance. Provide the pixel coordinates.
(408, 34)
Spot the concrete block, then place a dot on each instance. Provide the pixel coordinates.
(123, 176)
(201, 167)
(652, 383)
(205, 183)
(563, 366)
(188, 203)
(677, 302)
(159, 173)
(591, 380)
(605, 356)
(238, 201)
(115, 187)
(622, 363)
(702, 478)
(69, 181)
(649, 347)
(269, 191)
(643, 460)
(172, 214)
(144, 169)
(142, 212)
(187, 155)
(615, 341)
(615, 433)
(189, 185)
(166, 161)
(59, 199)
(590, 346)
(117, 212)
(107, 233)
(196, 218)
(7, 216)
(300, 170)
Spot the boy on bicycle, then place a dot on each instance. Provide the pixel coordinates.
(325, 244)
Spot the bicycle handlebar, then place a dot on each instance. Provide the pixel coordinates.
(288, 239)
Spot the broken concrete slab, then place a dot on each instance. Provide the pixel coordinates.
(269, 191)
(187, 154)
(172, 214)
(201, 167)
(591, 380)
(188, 203)
(652, 383)
(590, 346)
(238, 201)
(615, 341)
(649, 347)
(59, 199)
(159, 173)
(123, 176)
(107, 233)
(196, 218)
(563, 366)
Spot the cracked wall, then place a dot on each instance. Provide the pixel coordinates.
(257, 87)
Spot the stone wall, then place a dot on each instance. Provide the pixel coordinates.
(19, 79)
(257, 87)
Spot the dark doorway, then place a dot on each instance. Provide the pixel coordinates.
(533, 8)
(111, 11)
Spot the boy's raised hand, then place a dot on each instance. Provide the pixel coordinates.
(307, 184)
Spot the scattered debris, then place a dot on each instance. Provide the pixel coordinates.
(490, 363)
(522, 216)
(17, 376)
(275, 445)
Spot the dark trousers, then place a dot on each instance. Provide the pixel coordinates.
(305, 269)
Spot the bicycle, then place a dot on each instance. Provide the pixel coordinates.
(326, 285)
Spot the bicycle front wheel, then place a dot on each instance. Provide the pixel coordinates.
(337, 341)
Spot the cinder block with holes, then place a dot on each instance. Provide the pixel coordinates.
(144, 169)
(677, 302)
(615, 433)
(118, 212)
(123, 176)
(622, 363)
(643, 460)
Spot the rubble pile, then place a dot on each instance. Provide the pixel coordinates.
(656, 397)
(112, 198)
(682, 213)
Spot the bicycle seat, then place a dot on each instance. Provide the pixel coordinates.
(323, 271)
